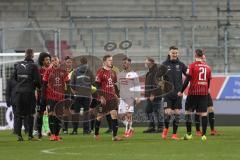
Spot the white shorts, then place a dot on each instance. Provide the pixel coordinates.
(125, 107)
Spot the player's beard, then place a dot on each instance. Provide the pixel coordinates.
(56, 66)
(69, 69)
(47, 65)
(108, 67)
(127, 69)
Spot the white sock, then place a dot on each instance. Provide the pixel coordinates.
(126, 124)
(130, 125)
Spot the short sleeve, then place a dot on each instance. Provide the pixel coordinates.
(98, 76)
(46, 75)
(66, 77)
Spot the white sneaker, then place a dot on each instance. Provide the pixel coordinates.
(35, 133)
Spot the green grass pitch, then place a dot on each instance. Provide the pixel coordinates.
(139, 147)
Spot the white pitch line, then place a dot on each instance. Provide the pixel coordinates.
(49, 151)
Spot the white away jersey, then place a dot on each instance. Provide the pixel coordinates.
(128, 84)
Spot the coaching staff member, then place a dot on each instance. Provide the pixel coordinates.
(153, 99)
(173, 103)
(28, 79)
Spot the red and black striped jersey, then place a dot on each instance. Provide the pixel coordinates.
(200, 74)
(106, 79)
(56, 80)
(42, 70)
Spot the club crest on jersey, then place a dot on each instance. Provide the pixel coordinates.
(168, 67)
(177, 67)
(97, 79)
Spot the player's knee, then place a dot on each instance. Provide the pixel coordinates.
(188, 112)
(167, 118)
(168, 111)
(177, 111)
(114, 115)
(99, 118)
(129, 115)
(210, 109)
(129, 118)
(203, 114)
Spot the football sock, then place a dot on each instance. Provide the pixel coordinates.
(204, 125)
(75, 126)
(176, 123)
(188, 119)
(65, 122)
(51, 124)
(115, 127)
(92, 124)
(39, 123)
(109, 121)
(97, 126)
(30, 125)
(126, 125)
(167, 120)
(57, 125)
(211, 119)
(130, 125)
(197, 122)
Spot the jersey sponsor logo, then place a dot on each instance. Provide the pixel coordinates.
(57, 82)
(110, 82)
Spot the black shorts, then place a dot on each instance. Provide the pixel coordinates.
(173, 103)
(110, 105)
(81, 102)
(95, 103)
(25, 103)
(51, 105)
(210, 102)
(153, 106)
(196, 103)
